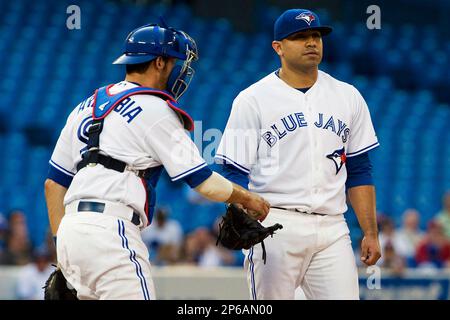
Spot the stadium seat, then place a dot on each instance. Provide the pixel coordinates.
(53, 69)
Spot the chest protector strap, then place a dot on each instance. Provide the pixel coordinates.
(103, 104)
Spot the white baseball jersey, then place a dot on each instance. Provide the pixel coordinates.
(142, 132)
(294, 145)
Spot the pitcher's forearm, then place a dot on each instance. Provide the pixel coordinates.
(54, 197)
(362, 199)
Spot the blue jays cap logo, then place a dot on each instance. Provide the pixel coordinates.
(308, 17)
(338, 157)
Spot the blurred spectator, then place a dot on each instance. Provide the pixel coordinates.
(50, 244)
(391, 244)
(189, 252)
(201, 211)
(387, 229)
(407, 238)
(386, 235)
(443, 216)
(18, 247)
(3, 232)
(208, 254)
(32, 277)
(434, 250)
(163, 239)
(391, 260)
(200, 248)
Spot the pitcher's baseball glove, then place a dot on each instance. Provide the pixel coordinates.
(56, 288)
(238, 230)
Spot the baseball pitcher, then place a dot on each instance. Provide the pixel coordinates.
(300, 138)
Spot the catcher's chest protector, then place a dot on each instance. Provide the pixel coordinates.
(103, 103)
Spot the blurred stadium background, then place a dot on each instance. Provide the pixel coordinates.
(402, 70)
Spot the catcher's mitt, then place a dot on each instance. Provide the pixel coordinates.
(56, 287)
(238, 230)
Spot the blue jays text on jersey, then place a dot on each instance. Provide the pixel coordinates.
(297, 120)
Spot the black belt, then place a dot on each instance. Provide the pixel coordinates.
(296, 210)
(100, 207)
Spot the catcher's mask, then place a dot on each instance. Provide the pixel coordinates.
(153, 40)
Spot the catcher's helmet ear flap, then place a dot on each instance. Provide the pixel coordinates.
(182, 73)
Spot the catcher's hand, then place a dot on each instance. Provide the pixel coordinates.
(56, 287)
(239, 231)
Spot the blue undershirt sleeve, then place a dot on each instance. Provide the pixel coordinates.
(359, 171)
(196, 178)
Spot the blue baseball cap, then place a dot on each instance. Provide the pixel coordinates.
(296, 20)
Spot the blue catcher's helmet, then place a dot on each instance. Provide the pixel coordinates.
(151, 41)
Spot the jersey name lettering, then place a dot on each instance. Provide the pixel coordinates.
(85, 104)
(288, 124)
(125, 108)
(340, 129)
(297, 120)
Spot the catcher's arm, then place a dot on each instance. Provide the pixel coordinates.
(54, 196)
(217, 188)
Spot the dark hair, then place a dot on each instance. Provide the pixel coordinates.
(141, 67)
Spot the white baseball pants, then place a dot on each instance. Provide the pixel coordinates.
(311, 251)
(103, 257)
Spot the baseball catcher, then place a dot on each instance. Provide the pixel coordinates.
(238, 230)
(56, 287)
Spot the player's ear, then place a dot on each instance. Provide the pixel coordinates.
(276, 45)
(160, 63)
